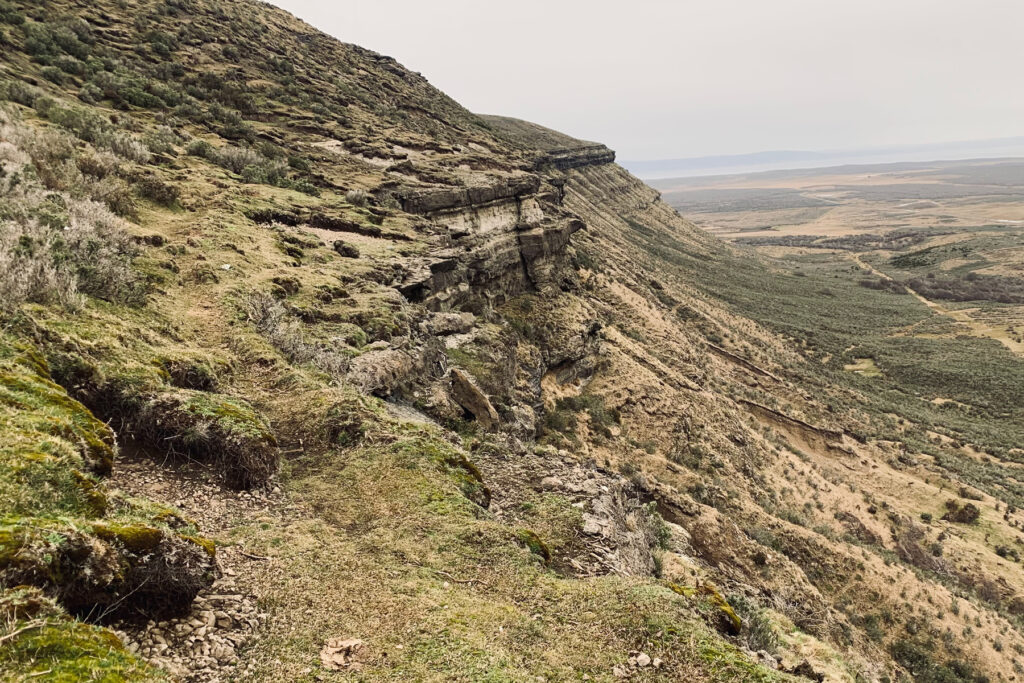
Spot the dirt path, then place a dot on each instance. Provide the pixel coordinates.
(977, 327)
(203, 644)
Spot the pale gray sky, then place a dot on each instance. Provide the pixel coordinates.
(662, 79)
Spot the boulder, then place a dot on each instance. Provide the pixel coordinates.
(345, 249)
(443, 324)
(468, 395)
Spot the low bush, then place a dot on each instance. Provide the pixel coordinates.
(93, 128)
(357, 197)
(972, 287)
(156, 190)
(272, 320)
(961, 514)
(55, 246)
(920, 659)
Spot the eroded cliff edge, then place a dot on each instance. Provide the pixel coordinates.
(510, 435)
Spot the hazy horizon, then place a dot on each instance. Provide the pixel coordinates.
(795, 160)
(665, 80)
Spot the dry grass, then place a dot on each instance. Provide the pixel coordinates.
(285, 333)
(56, 244)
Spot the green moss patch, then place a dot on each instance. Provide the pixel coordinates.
(193, 370)
(37, 409)
(55, 530)
(67, 651)
(452, 462)
(534, 544)
(138, 538)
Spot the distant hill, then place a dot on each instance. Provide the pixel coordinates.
(789, 159)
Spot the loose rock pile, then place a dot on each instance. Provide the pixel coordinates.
(201, 645)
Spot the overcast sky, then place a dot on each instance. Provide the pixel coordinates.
(657, 79)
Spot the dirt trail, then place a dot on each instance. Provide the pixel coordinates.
(205, 643)
(977, 327)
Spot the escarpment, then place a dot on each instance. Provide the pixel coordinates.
(451, 390)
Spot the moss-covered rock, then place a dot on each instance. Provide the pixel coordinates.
(165, 400)
(137, 538)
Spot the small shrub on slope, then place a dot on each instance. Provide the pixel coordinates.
(56, 245)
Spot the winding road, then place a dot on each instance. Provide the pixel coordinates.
(978, 328)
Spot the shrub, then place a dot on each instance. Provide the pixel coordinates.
(972, 287)
(356, 197)
(17, 91)
(920, 659)
(90, 94)
(235, 159)
(306, 187)
(54, 245)
(270, 173)
(124, 146)
(601, 418)
(9, 15)
(162, 141)
(966, 514)
(93, 128)
(70, 65)
(53, 74)
(158, 191)
(98, 164)
(200, 148)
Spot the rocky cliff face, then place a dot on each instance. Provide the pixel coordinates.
(492, 242)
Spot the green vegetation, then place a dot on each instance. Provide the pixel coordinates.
(56, 648)
(57, 240)
(63, 533)
(918, 657)
(971, 287)
(851, 323)
(464, 574)
(564, 418)
(178, 172)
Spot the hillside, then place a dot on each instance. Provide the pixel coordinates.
(308, 373)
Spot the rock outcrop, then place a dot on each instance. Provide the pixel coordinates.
(575, 157)
(495, 240)
(468, 395)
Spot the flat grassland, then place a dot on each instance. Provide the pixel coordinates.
(951, 234)
(906, 281)
(851, 200)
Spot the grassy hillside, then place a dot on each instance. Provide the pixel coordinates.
(308, 373)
